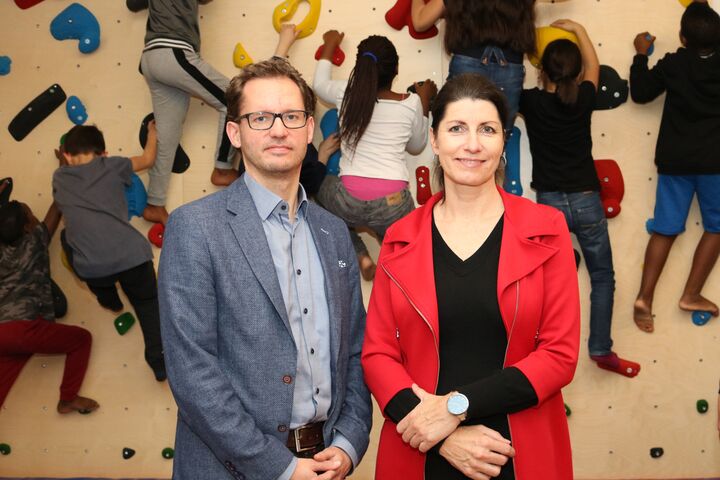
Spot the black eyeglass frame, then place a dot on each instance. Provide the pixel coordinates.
(275, 116)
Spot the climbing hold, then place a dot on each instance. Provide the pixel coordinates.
(612, 90)
(136, 5)
(424, 190)
(577, 258)
(155, 234)
(168, 453)
(127, 453)
(25, 4)
(136, 197)
(543, 37)
(287, 9)
(512, 167)
(5, 449)
(76, 110)
(329, 125)
(702, 406)
(181, 162)
(650, 225)
(338, 55)
(77, 23)
(5, 62)
(241, 58)
(7, 184)
(612, 186)
(568, 412)
(400, 15)
(65, 262)
(656, 452)
(700, 317)
(124, 322)
(36, 111)
(652, 45)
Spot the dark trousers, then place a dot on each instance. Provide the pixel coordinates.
(20, 339)
(140, 286)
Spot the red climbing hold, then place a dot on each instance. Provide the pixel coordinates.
(156, 233)
(612, 187)
(24, 4)
(401, 14)
(338, 55)
(424, 192)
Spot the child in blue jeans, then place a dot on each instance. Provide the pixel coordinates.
(557, 118)
(687, 153)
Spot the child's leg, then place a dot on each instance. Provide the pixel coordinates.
(106, 292)
(140, 286)
(13, 357)
(706, 253)
(672, 204)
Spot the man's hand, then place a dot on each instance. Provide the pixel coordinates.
(429, 422)
(327, 147)
(335, 454)
(643, 41)
(477, 451)
(310, 468)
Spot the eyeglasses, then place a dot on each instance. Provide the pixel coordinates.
(265, 120)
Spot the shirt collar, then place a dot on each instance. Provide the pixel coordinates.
(267, 203)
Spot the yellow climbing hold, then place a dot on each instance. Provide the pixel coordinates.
(546, 35)
(64, 259)
(241, 58)
(685, 3)
(287, 9)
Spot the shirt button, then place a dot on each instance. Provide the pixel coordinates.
(299, 271)
(282, 428)
(305, 310)
(317, 390)
(283, 207)
(312, 351)
(287, 379)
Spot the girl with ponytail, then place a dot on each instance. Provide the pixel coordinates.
(557, 118)
(377, 127)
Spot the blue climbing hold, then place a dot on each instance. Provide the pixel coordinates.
(76, 110)
(652, 45)
(700, 317)
(650, 225)
(77, 23)
(329, 125)
(5, 65)
(512, 168)
(136, 197)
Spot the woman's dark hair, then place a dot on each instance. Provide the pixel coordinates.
(471, 86)
(376, 66)
(84, 139)
(700, 26)
(561, 64)
(12, 222)
(504, 23)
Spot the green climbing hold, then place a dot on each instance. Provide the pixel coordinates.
(168, 453)
(702, 406)
(5, 449)
(124, 322)
(568, 412)
(62, 139)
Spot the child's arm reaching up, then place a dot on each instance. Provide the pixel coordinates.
(147, 158)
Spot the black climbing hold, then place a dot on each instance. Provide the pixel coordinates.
(36, 111)
(7, 185)
(702, 406)
(5, 449)
(128, 453)
(568, 412)
(656, 452)
(577, 258)
(168, 453)
(136, 5)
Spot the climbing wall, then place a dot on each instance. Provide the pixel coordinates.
(615, 421)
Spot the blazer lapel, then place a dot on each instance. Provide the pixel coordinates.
(249, 233)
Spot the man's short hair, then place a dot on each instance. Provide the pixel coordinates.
(700, 26)
(12, 222)
(84, 139)
(273, 68)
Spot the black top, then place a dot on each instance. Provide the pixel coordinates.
(560, 140)
(689, 139)
(473, 342)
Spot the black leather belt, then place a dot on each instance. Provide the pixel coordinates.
(306, 439)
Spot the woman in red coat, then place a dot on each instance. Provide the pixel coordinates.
(473, 323)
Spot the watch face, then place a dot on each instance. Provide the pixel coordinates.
(458, 404)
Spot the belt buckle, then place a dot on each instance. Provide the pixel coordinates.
(298, 448)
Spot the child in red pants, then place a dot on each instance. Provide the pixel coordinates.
(27, 311)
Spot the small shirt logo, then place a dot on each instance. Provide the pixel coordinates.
(342, 264)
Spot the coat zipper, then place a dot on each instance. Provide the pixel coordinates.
(512, 327)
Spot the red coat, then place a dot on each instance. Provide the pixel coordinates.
(538, 295)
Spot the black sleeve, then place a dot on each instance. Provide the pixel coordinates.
(645, 84)
(312, 171)
(401, 404)
(586, 95)
(523, 105)
(508, 391)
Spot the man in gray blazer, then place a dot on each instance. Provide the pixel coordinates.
(261, 308)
